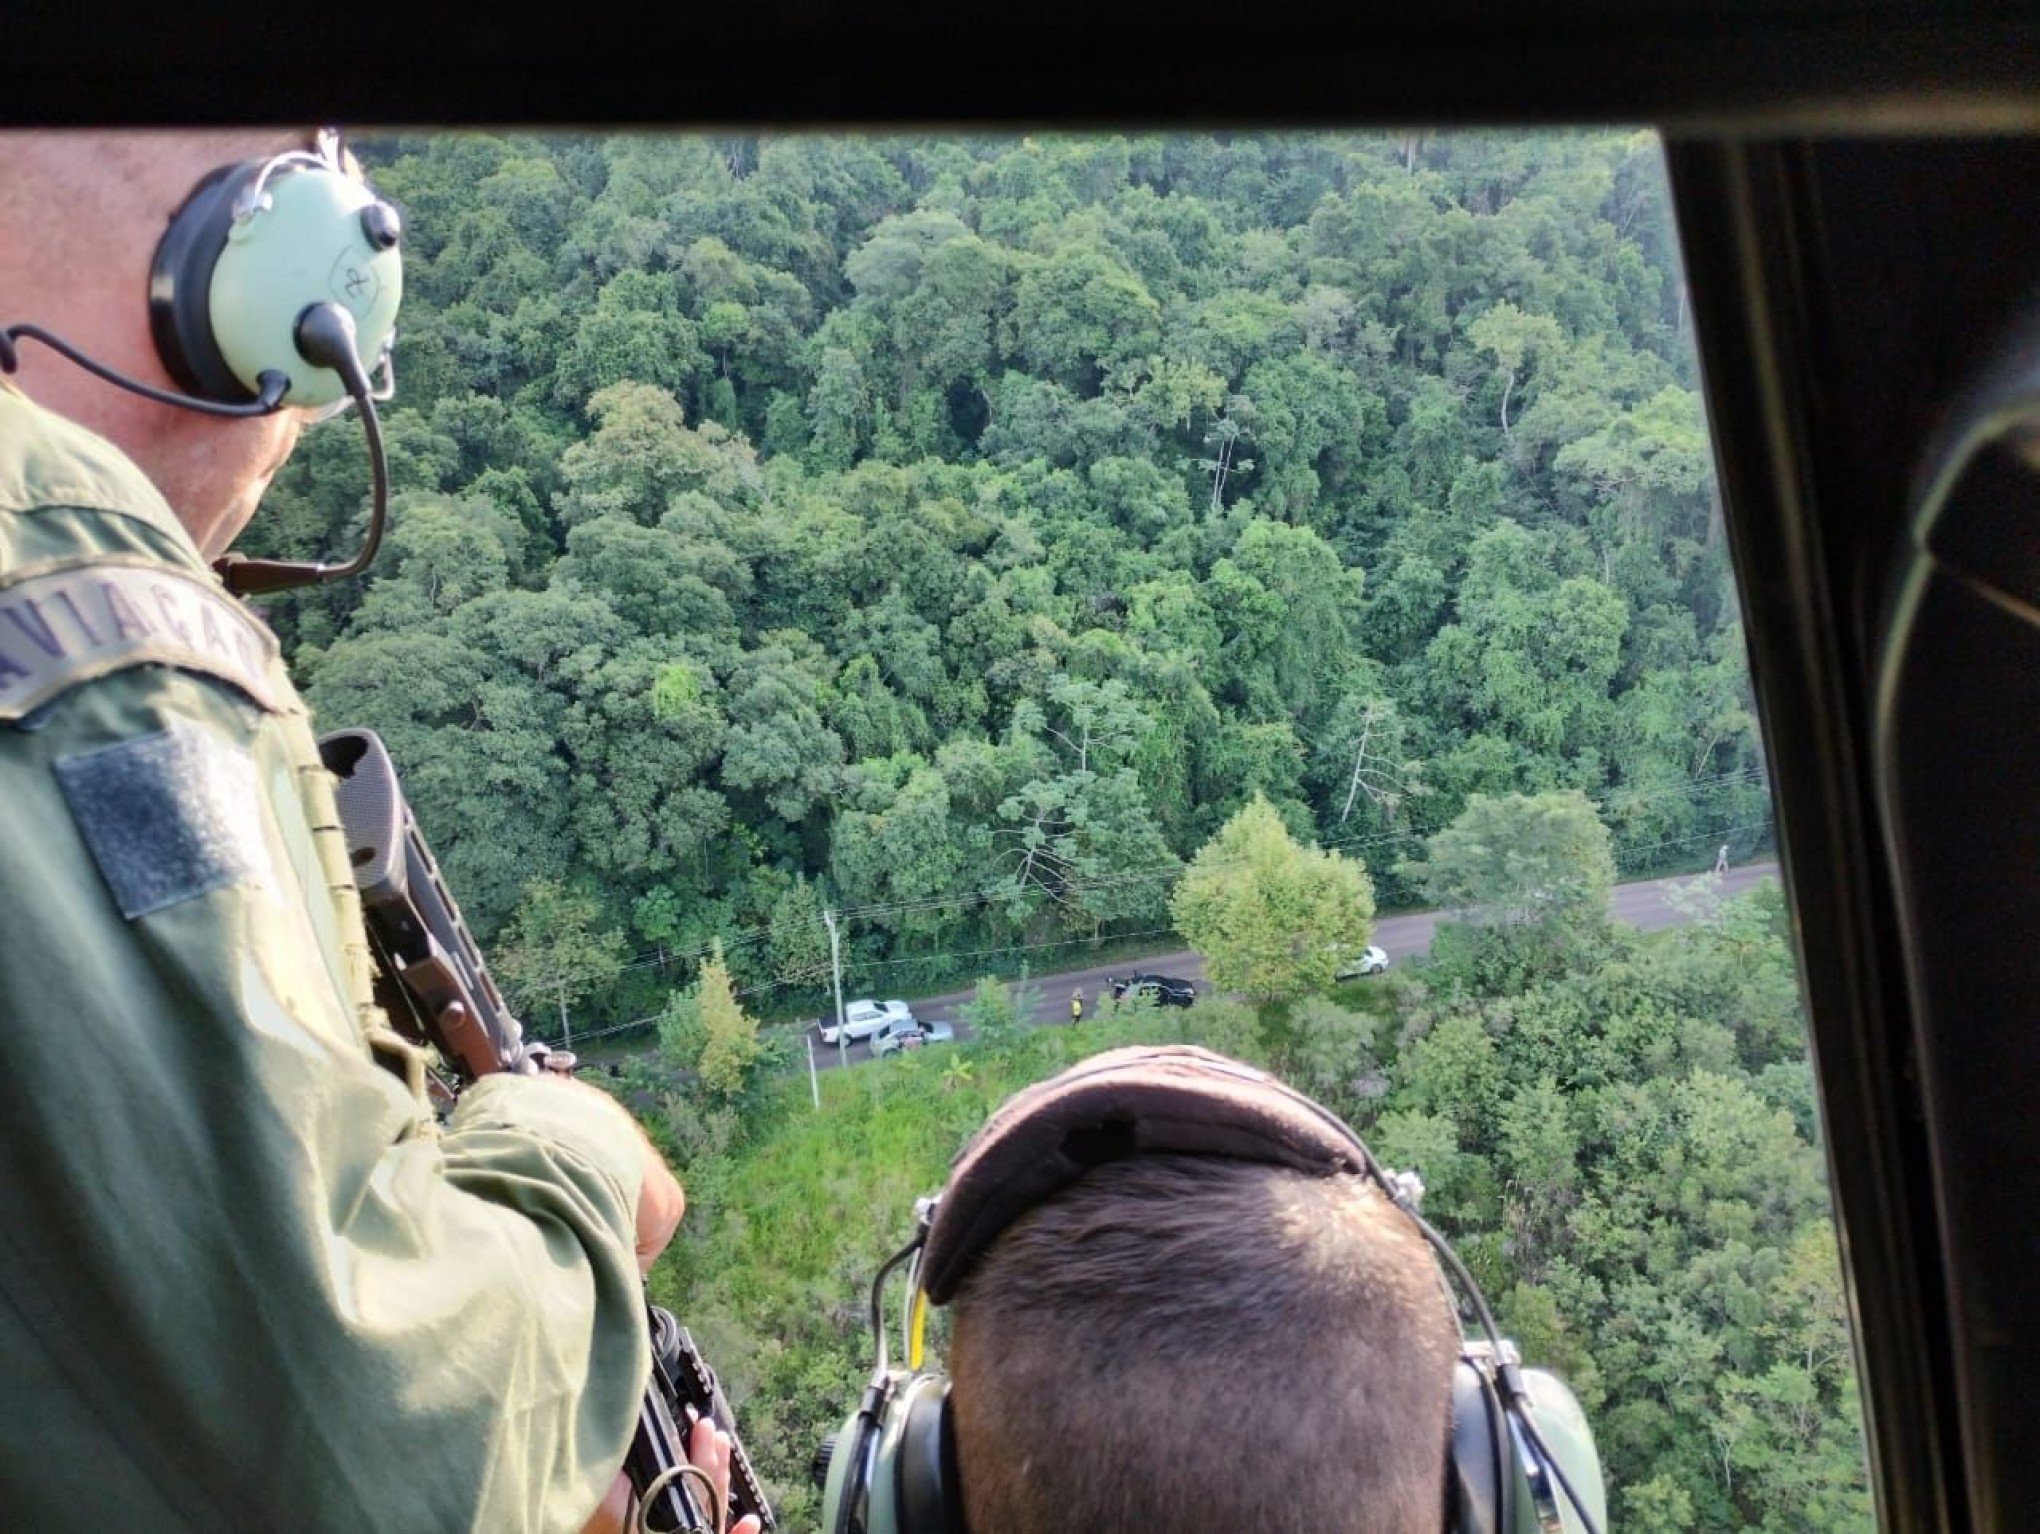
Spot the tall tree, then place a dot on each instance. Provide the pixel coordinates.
(1273, 919)
(729, 1035)
(554, 954)
(1533, 871)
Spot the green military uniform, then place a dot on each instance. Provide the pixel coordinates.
(245, 1281)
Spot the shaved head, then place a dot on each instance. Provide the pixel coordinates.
(80, 217)
(1204, 1346)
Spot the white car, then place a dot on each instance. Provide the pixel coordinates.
(863, 1018)
(1371, 962)
(897, 1035)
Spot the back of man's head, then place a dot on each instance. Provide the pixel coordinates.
(1188, 1344)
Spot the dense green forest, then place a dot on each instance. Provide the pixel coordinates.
(962, 535)
(955, 532)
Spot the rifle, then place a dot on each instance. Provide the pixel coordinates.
(436, 989)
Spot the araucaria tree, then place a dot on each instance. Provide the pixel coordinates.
(729, 1034)
(1272, 918)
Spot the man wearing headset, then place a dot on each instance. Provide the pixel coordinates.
(1185, 1297)
(247, 1281)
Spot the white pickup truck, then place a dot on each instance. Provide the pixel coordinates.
(861, 1019)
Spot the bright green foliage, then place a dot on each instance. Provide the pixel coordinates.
(680, 1032)
(729, 1037)
(1079, 311)
(1221, 1024)
(1332, 1052)
(797, 936)
(990, 1014)
(1071, 834)
(1289, 608)
(1517, 342)
(1646, 1220)
(1273, 919)
(785, 1228)
(1663, 1231)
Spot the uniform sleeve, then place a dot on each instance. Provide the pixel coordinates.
(251, 1284)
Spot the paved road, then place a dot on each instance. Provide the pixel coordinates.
(1644, 905)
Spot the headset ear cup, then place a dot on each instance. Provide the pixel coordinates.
(847, 1487)
(180, 286)
(930, 1492)
(1480, 1463)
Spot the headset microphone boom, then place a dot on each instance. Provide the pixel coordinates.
(275, 286)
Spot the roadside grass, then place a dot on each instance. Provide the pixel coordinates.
(1374, 995)
(815, 1180)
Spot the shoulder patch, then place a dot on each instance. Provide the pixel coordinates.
(70, 624)
(169, 816)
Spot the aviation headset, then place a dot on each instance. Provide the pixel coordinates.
(1522, 1459)
(275, 285)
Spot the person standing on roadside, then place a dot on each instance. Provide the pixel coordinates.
(1076, 1006)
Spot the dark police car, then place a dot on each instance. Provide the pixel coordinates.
(1160, 989)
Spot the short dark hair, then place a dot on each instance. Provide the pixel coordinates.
(1191, 1344)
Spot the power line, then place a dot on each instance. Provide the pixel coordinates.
(1699, 836)
(1156, 873)
(615, 1028)
(979, 953)
(861, 965)
(967, 953)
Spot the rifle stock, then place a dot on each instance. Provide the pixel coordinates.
(436, 988)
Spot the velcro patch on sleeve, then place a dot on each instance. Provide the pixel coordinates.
(169, 817)
(72, 624)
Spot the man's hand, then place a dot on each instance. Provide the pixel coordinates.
(708, 1450)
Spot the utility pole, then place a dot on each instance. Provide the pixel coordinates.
(566, 1028)
(836, 978)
